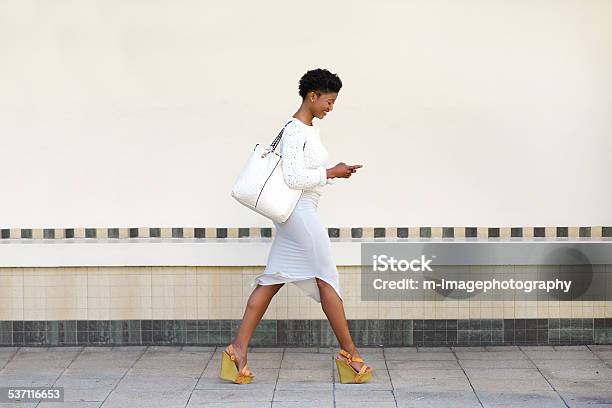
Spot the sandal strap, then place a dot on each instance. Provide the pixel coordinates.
(360, 374)
(349, 357)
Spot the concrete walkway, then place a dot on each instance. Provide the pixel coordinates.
(157, 376)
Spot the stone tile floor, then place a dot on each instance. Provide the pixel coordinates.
(160, 376)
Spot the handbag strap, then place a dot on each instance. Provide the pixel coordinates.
(276, 140)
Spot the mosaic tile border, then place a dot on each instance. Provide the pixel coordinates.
(333, 232)
(271, 333)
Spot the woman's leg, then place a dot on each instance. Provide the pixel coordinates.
(256, 306)
(334, 310)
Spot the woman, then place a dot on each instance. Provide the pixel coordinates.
(301, 250)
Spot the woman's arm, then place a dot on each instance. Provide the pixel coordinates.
(294, 170)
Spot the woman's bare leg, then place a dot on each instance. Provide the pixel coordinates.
(334, 310)
(258, 303)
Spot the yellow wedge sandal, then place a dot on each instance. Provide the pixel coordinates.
(347, 373)
(229, 368)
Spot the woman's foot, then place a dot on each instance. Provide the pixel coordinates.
(355, 364)
(240, 355)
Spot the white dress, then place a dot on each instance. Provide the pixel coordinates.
(301, 249)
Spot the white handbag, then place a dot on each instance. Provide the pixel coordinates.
(261, 185)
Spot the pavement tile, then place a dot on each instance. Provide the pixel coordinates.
(436, 399)
(539, 399)
(174, 376)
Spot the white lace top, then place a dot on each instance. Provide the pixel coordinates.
(304, 158)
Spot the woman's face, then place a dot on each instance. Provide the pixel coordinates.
(323, 103)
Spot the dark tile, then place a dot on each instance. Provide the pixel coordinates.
(356, 232)
(154, 232)
(266, 232)
(584, 232)
(49, 233)
(18, 338)
(191, 337)
(402, 232)
(539, 232)
(113, 233)
(243, 232)
(333, 232)
(133, 232)
(440, 324)
(439, 338)
(26, 233)
(485, 324)
(575, 323)
(119, 332)
(471, 232)
(429, 336)
(516, 232)
(203, 325)
(448, 232)
(474, 337)
(221, 232)
(263, 338)
(5, 233)
(199, 232)
(53, 333)
(485, 337)
(379, 232)
(553, 336)
(90, 232)
(425, 232)
(69, 233)
(606, 232)
(82, 325)
(497, 336)
(587, 337)
(493, 232)
(146, 337)
(178, 232)
(34, 325)
(562, 232)
(393, 338)
(553, 323)
(429, 324)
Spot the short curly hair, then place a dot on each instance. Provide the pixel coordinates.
(319, 80)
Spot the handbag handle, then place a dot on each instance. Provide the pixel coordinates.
(276, 141)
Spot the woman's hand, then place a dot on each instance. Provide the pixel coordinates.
(342, 170)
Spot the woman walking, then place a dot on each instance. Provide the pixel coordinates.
(301, 250)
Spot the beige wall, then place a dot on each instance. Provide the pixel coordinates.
(117, 293)
(481, 113)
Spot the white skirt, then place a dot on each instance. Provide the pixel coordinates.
(301, 251)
